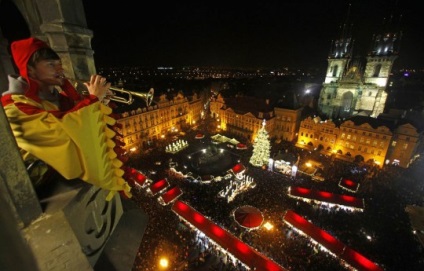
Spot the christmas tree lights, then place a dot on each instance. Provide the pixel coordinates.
(261, 148)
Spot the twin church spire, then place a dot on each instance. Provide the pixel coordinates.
(353, 85)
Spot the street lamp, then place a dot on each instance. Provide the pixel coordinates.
(268, 226)
(163, 263)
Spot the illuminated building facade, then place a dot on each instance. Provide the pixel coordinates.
(348, 88)
(362, 138)
(405, 146)
(316, 133)
(145, 125)
(287, 123)
(243, 116)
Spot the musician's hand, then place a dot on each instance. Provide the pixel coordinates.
(106, 99)
(98, 86)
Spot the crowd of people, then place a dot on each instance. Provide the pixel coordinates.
(382, 233)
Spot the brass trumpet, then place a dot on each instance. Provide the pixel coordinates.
(147, 97)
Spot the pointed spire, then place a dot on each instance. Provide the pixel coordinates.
(341, 47)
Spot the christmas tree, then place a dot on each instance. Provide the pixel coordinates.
(261, 148)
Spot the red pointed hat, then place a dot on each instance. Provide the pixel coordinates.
(22, 50)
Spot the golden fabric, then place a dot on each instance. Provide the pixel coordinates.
(77, 144)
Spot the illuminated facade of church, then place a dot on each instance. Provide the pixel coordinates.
(349, 88)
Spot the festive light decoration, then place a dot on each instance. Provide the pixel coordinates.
(261, 148)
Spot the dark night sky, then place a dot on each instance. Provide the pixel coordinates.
(261, 34)
(269, 34)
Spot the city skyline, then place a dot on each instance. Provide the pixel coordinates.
(268, 35)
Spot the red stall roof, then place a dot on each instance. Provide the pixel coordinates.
(238, 168)
(328, 241)
(135, 175)
(171, 194)
(224, 239)
(319, 235)
(359, 261)
(324, 196)
(158, 186)
(349, 185)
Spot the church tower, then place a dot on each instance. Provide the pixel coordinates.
(339, 60)
(349, 89)
(384, 51)
(339, 57)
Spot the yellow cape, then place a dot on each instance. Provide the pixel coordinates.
(77, 145)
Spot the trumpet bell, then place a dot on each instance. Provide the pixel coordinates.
(146, 96)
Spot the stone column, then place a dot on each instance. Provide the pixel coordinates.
(65, 28)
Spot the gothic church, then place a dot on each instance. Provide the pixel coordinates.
(349, 89)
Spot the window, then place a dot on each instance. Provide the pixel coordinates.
(394, 143)
(377, 69)
(335, 69)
